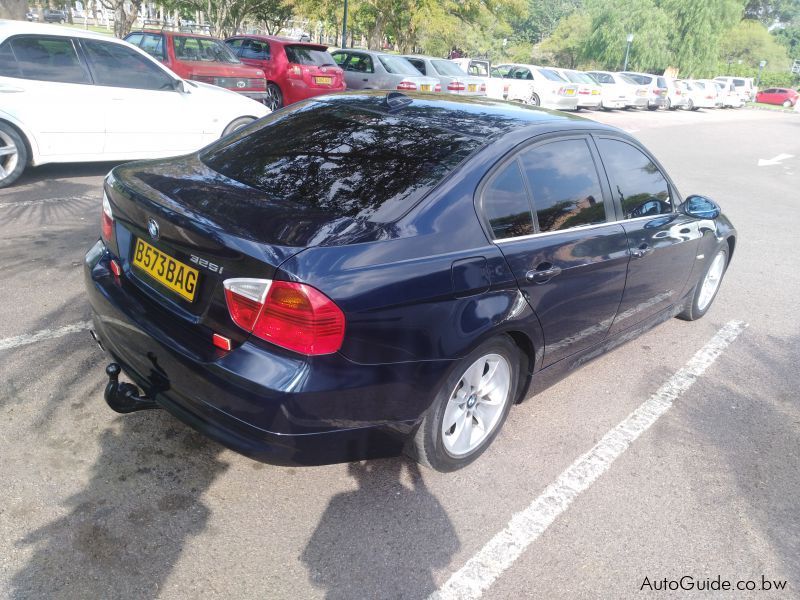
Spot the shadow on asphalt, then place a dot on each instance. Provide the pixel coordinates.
(384, 539)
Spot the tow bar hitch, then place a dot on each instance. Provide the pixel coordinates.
(124, 397)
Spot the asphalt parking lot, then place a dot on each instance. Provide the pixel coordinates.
(98, 505)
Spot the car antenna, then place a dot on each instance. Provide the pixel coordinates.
(397, 100)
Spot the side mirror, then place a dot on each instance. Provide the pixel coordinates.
(180, 86)
(700, 207)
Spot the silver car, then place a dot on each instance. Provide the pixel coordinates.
(368, 70)
(452, 77)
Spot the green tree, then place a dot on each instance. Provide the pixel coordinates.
(749, 42)
(568, 42)
(695, 31)
(789, 38)
(613, 20)
(541, 19)
(772, 11)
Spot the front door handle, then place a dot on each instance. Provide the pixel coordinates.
(642, 251)
(543, 273)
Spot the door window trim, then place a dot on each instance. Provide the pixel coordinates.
(75, 46)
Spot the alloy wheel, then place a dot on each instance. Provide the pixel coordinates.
(476, 404)
(711, 281)
(9, 155)
(273, 99)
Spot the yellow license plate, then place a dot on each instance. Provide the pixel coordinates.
(595, 92)
(324, 80)
(171, 273)
(472, 87)
(425, 87)
(570, 92)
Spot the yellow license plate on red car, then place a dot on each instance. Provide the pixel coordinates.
(169, 272)
(323, 80)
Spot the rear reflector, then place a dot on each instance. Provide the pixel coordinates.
(107, 223)
(437, 87)
(115, 268)
(292, 315)
(220, 341)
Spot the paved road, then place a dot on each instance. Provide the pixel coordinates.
(96, 505)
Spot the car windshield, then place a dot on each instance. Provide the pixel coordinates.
(203, 50)
(397, 65)
(445, 67)
(308, 55)
(340, 160)
(551, 75)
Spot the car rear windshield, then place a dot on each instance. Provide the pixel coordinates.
(203, 50)
(397, 65)
(309, 55)
(341, 160)
(551, 75)
(446, 67)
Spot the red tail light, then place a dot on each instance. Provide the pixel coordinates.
(292, 315)
(107, 221)
(483, 87)
(407, 86)
(204, 78)
(294, 72)
(456, 86)
(437, 87)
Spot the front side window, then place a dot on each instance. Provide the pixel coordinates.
(117, 66)
(564, 185)
(506, 205)
(48, 59)
(153, 44)
(636, 181)
(418, 64)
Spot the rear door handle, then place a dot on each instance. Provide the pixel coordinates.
(642, 251)
(543, 273)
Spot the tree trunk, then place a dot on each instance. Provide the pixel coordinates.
(13, 9)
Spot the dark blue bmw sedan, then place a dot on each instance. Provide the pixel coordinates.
(362, 274)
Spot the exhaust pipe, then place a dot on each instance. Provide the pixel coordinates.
(124, 397)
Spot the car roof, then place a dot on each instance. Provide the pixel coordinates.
(278, 39)
(475, 116)
(175, 33)
(9, 28)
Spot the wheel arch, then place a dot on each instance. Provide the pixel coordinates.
(30, 145)
(525, 345)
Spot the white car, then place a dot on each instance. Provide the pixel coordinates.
(696, 94)
(590, 93)
(743, 86)
(68, 95)
(453, 79)
(539, 86)
(480, 69)
(618, 92)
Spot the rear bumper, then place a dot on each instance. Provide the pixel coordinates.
(295, 90)
(273, 406)
(589, 101)
(560, 102)
(656, 101)
(638, 102)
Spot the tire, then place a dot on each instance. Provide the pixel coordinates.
(456, 400)
(690, 105)
(534, 100)
(787, 104)
(652, 107)
(668, 105)
(13, 155)
(712, 276)
(274, 99)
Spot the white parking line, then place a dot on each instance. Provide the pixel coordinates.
(24, 203)
(525, 527)
(44, 334)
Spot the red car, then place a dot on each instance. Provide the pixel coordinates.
(295, 70)
(201, 58)
(783, 96)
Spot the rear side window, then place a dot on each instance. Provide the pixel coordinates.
(506, 205)
(447, 68)
(635, 180)
(117, 66)
(308, 55)
(339, 58)
(48, 59)
(360, 63)
(564, 185)
(603, 77)
(342, 161)
(551, 75)
(419, 65)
